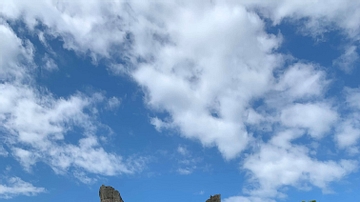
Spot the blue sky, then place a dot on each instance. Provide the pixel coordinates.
(255, 100)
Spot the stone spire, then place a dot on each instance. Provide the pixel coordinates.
(215, 198)
(109, 194)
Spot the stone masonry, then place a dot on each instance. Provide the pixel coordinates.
(109, 194)
(215, 198)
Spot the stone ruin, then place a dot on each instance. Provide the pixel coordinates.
(215, 198)
(109, 194)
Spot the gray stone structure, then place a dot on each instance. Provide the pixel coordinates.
(109, 194)
(215, 198)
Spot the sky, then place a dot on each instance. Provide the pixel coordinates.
(179, 100)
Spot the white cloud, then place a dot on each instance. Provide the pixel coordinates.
(203, 79)
(83, 177)
(281, 163)
(247, 199)
(84, 25)
(347, 61)
(191, 50)
(317, 16)
(35, 124)
(353, 97)
(348, 130)
(201, 192)
(205, 64)
(13, 53)
(49, 63)
(94, 159)
(185, 171)
(187, 163)
(3, 151)
(191, 54)
(113, 103)
(34, 117)
(42, 122)
(316, 117)
(182, 150)
(15, 186)
(26, 158)
(301, 81)
(348, 133)
(297, 85)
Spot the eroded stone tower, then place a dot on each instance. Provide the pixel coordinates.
(109, 194)
(215, 198)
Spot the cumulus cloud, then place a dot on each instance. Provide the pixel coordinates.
(203, 79)
(317, 118)
(16, 186)
(301, 81)
(211, 66)
(35, 124)
(83, 25)
(42, 122)
(14, 52)
(348, 130)
(191, 55)
(281, 163)
(348, 133)
(318, 16)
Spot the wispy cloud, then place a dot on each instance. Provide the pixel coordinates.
(113, 103)
(15, 186)
(187, 162)
(348, 60)
(3, 151)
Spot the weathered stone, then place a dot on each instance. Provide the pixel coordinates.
(109, 194)
(215, 198)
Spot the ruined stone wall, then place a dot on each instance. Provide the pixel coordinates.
(215, 198)
(109, 194)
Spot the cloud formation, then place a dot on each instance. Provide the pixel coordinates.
(15, 186)
(281, 163)
(211, 66)
(36, 125)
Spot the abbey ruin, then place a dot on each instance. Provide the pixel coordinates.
(215, 198)
(109, 194)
